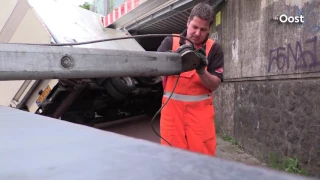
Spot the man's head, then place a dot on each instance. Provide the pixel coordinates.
(199, 22)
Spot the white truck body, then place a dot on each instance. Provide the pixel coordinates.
(48, 21)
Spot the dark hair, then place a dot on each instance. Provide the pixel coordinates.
(203, 11)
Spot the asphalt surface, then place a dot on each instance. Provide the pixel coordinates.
(137, 127)
(140, 127)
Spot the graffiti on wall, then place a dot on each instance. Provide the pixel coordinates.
(310, 12)
(215, 37)
(295, 56)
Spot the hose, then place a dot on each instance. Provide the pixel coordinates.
(121, 38)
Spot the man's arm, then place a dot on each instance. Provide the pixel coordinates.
(214, 74)
(165, 45)
(212, 82)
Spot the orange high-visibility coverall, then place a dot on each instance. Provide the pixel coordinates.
(187, 121)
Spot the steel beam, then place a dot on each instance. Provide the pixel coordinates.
(164, 13)
(137, 12)
(171, 10)
(33, 62)
(38, 147)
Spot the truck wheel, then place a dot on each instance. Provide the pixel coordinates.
(113, 92)
(124, 85)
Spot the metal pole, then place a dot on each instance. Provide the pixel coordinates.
(32, 62)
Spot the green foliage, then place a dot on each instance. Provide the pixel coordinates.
(274, 161)
(290, 165)
(111, 5)
(228, 138)
(86, 5)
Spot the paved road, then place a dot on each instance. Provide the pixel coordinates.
(139, 127)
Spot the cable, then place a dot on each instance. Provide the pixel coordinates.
(154, 117)
(104, 40)
(121, 38)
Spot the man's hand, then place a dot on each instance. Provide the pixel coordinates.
(208, 80)
(201, 53)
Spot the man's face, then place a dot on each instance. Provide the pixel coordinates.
(197, 30)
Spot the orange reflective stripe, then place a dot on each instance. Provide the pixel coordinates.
(209, 45)
(175, 42)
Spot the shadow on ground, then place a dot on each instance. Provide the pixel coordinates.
(140, 127)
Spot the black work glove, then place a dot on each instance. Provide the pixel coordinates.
(201, 53)
(184, 48)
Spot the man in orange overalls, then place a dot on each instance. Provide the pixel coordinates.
(187, 121)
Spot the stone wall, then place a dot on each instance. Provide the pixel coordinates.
(270, 100)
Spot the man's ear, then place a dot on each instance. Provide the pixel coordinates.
(188, 22)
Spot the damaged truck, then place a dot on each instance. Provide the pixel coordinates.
(82, 101)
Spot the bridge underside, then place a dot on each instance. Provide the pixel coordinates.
(173, 24)
(172, 19)
(158, 17)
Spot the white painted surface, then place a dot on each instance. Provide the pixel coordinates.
(70, 24)
(29, 30)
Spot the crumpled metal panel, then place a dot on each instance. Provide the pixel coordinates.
(41, 148)
(144, 9)
(172, 24)
(69, 24)
(171, 19)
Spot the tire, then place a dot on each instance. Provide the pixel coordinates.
(113, 92)
(124, 85)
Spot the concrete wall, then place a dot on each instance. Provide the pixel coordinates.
(270, 100)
